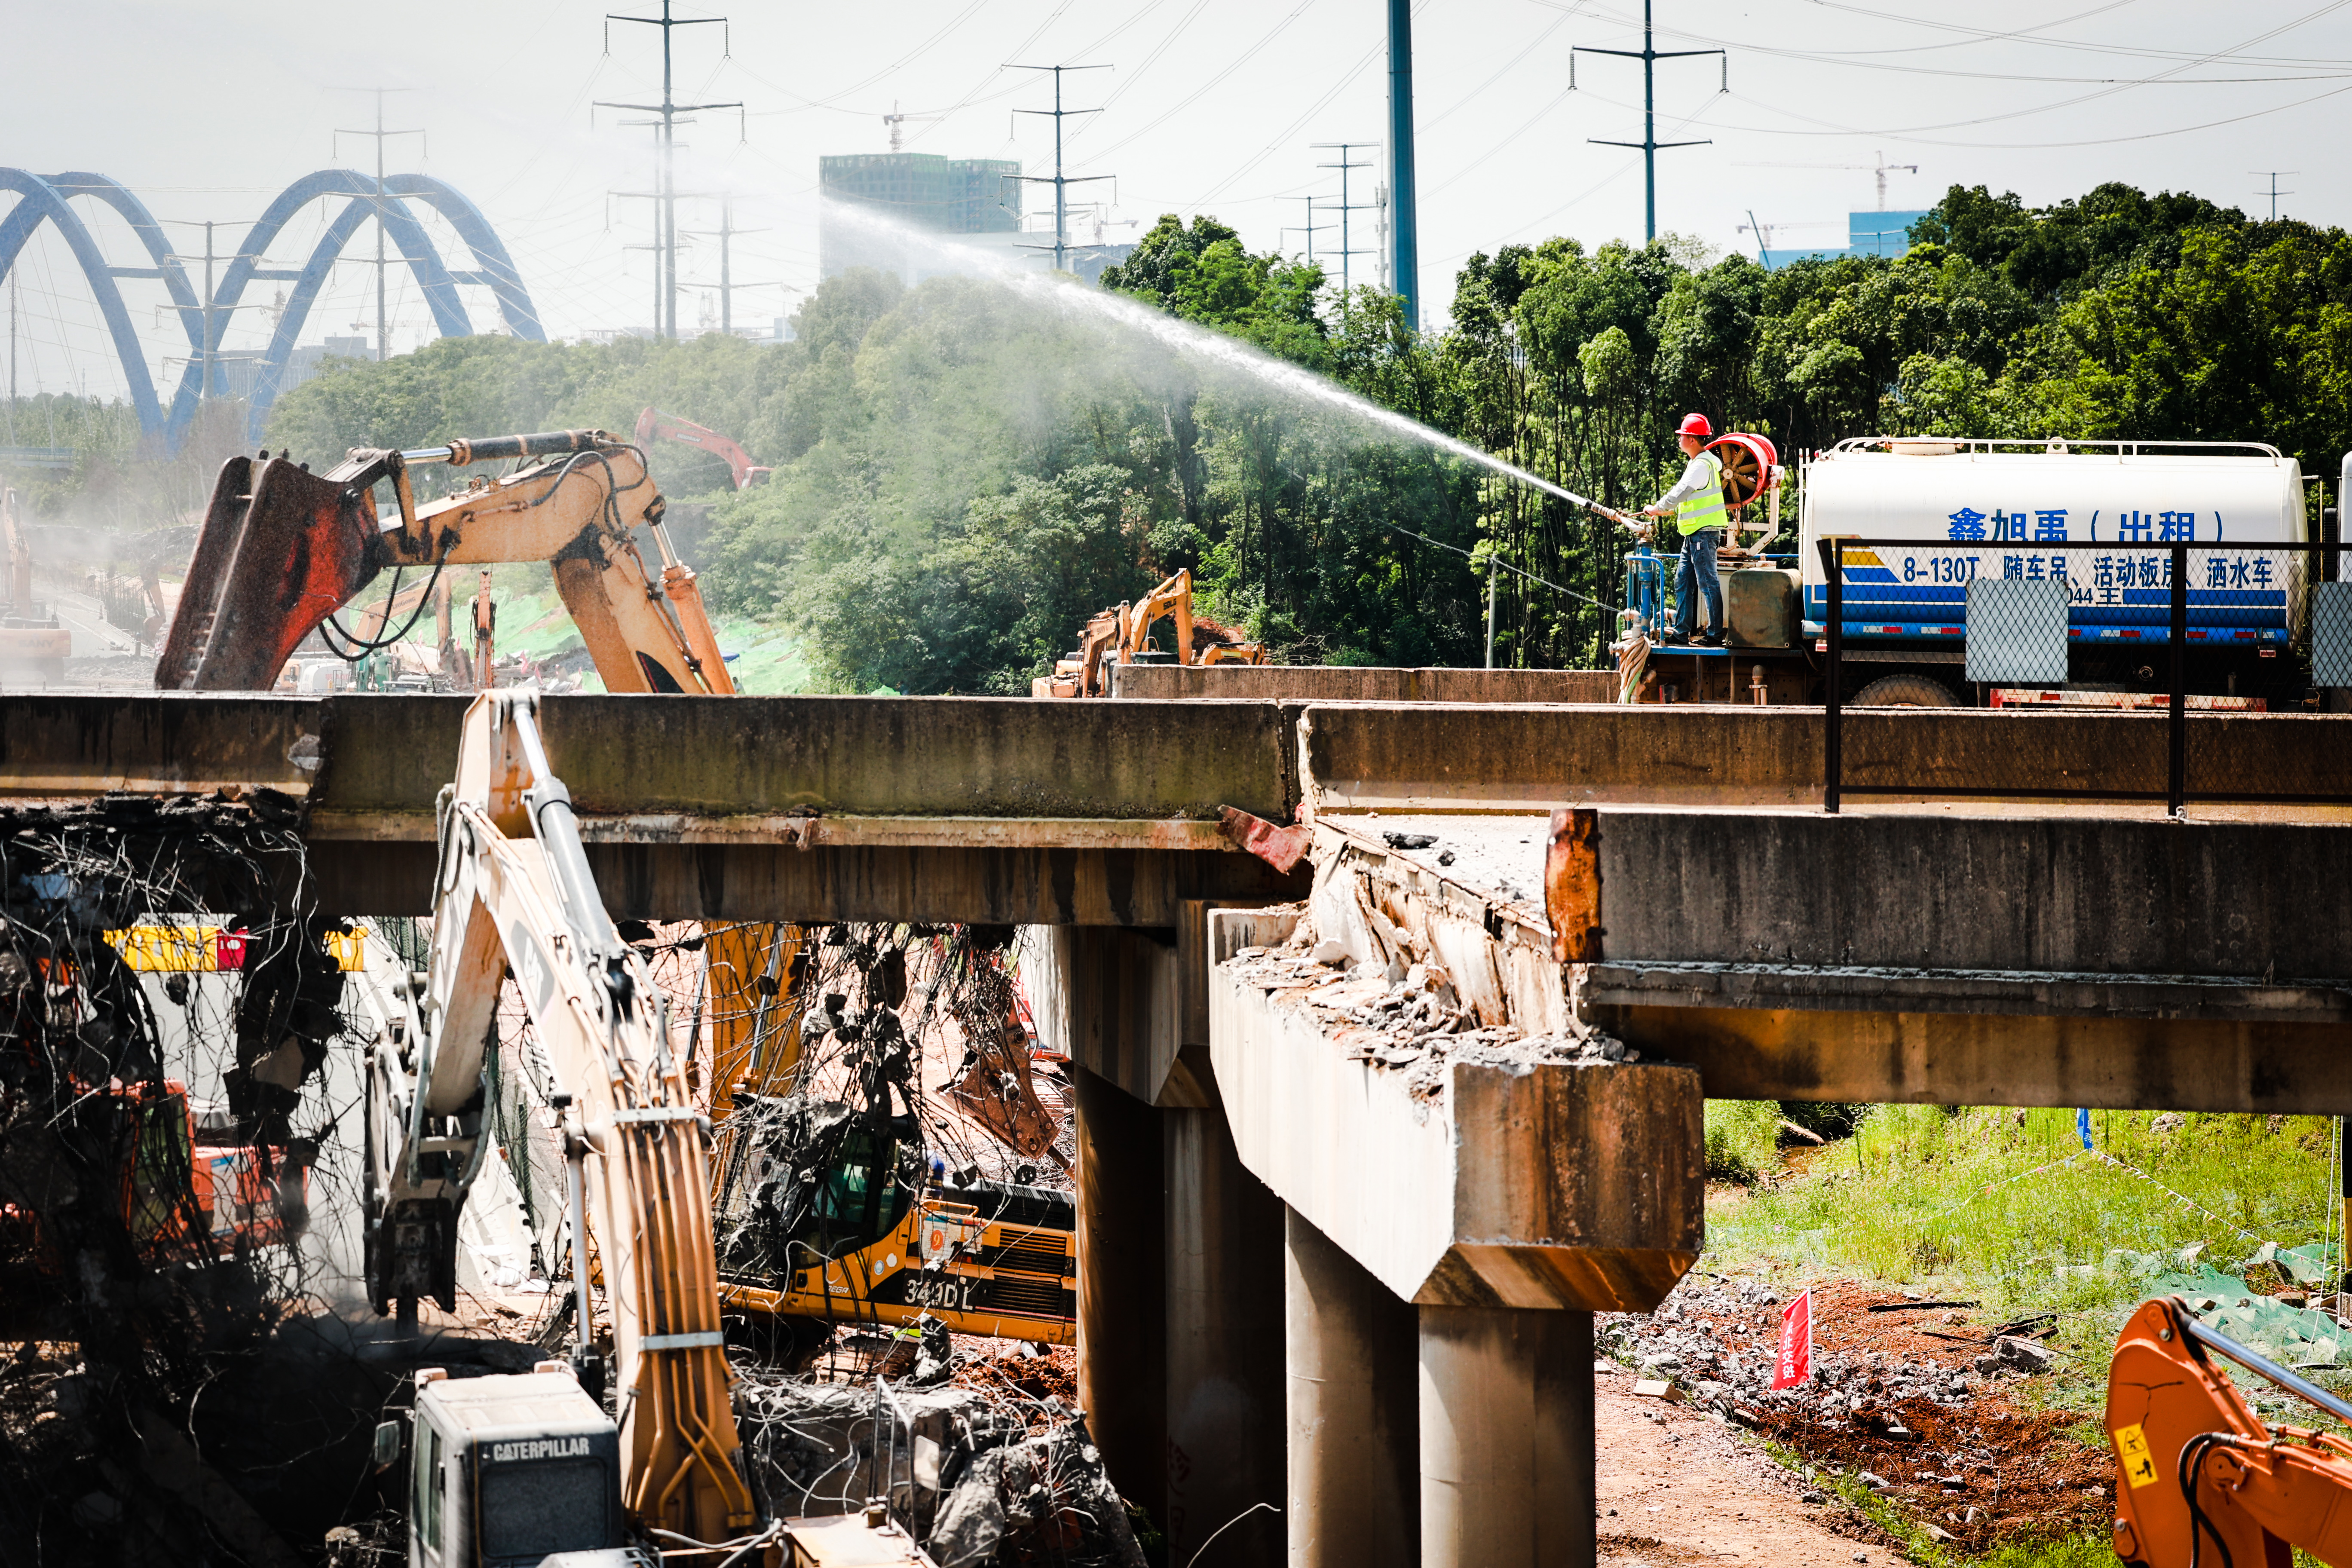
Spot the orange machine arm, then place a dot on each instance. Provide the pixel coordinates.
(282, 549)
(514, 894)
(2200, 1480)
(653, 426)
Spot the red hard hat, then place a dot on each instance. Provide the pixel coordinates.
(1695, 424)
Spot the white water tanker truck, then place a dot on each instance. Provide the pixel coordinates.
(1964, 510)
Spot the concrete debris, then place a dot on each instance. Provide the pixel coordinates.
(1406, 1017)
(1875, 1483)
(963, 1467)
(2023, 1354)
(1653, 1388)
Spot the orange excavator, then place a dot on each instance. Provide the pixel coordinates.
(653, 426)
(1123, 636)
(2201, 1482)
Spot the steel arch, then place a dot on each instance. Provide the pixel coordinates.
(46, 199)
(41, 200)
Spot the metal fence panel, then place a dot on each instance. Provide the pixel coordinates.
(2331, 634)
(2016, 631)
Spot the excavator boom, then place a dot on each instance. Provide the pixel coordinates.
(514, 892)
(653, 426)
(2200, 1479)
(282, 549)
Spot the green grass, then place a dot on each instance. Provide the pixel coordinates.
(2008, 1209)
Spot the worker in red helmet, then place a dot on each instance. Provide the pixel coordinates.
(1696, 503)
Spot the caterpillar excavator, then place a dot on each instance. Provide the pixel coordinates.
(518, 1469)
(2200, 1479)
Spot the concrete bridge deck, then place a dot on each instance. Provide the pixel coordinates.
(1434, 1253)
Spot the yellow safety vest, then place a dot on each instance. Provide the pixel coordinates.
(1704, 509)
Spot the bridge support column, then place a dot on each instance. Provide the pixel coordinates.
(1351, 1395)
(1225, 1436)
(1122, 1288)
(1507, 1447)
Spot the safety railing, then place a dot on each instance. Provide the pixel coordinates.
(2050, 623)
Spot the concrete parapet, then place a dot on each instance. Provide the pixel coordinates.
(1506, 1183)
(1388, 757)
(1361, 683)
(2051, 894)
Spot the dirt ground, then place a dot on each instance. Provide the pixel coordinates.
(1677, 1486)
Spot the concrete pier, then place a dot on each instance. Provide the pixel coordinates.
(1352, 1391)
(1225, 1427)
(1122, 1288)
(1506, 1445)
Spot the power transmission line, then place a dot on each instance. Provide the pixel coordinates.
(664, 193)
(1060, 182)
(1649, 54)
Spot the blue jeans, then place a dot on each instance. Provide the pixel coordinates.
(1698, 573)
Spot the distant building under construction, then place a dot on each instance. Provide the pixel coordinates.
(917, 191)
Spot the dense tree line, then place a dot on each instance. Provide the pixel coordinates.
(965, 470)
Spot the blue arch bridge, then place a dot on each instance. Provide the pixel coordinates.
(47, 199)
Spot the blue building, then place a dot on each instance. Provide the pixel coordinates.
(1867, 233)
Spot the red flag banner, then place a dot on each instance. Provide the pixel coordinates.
(1795, 1362)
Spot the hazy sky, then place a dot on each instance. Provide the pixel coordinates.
(206, 110)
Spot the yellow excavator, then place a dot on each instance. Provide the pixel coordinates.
(1122, 635)
(282, 551)
(516, 1469)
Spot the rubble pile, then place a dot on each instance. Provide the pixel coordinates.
(1905, 1399)
(1404, 1018)
(979, 1468)
(148, 1233)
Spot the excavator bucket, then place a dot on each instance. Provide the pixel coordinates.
(282, 550)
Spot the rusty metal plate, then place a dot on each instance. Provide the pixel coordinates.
(1572, 885)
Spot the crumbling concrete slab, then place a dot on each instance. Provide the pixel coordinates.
(1498, 1171)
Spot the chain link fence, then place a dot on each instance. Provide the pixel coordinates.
(2146, 623)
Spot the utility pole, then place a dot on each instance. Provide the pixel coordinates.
(1347, 247)
(382, 335)
(665, 192)
(1649, 54)
(725, 233)
(16, 293)
(1311, 229)
(1404, 229)
(2274, 193)
(1060, 182)
(208, 358)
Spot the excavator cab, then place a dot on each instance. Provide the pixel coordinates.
(514, 1471)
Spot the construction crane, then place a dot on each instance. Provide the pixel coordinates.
(2199, 1477)
(1122, 635)
(515, 1468)
(1881, 169)
(653, 426)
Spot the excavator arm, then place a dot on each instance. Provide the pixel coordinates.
(653, 426)
(282, 549)
(2201, 1480)
(514, 892)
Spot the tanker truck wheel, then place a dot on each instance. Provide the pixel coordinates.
(1906, 691)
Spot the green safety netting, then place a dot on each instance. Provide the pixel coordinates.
(2290, 1335)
